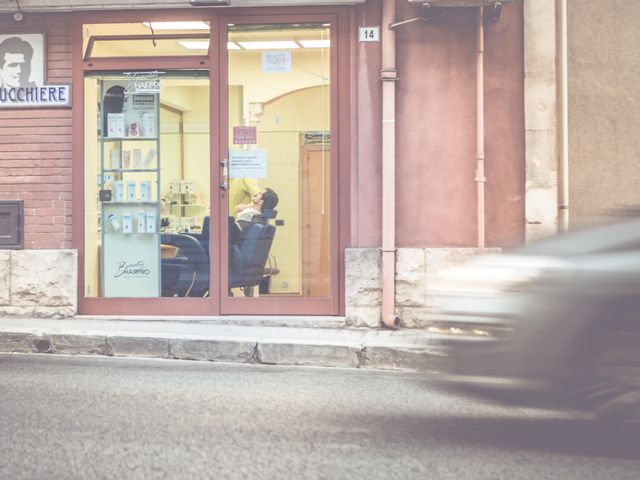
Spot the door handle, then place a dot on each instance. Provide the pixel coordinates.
(225, 174)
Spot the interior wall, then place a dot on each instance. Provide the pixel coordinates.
(197, 149)
(307, 71)
(185, 148)
(279, 132)
(170, 169)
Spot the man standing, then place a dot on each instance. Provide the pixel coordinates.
(15, 63)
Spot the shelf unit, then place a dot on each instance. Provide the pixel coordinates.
(130, 196)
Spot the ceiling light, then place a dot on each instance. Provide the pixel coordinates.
(177, 25)
(269, 45)
(195, 45)
(314, 43)
(204, 45)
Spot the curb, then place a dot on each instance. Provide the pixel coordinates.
(428, 359)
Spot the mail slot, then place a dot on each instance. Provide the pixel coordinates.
(11, 224)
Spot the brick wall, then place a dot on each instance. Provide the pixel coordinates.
(35, 145)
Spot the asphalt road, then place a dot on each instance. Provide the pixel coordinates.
(111, 418)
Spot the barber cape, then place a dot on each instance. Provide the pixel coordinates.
(247, 215)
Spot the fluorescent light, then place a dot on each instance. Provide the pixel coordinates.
(195, 45)
(314, 43)
(269, 45)
(177, 25)
(204, 45)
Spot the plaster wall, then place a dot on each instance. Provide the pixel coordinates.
(436, 130)
(604, 108)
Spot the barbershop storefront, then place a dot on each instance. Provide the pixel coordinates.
(220, 161)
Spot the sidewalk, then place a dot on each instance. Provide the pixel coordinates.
(294, 341)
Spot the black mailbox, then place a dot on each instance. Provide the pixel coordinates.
(11, 224)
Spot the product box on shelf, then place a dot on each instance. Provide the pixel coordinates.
(132, 194)
(118, 191)
(145, 191)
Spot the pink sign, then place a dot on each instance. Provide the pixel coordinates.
(245, 135)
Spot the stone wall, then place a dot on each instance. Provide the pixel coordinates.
(38, 283)
(541, 130)
(417, 271)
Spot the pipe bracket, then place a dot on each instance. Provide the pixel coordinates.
(389, 75)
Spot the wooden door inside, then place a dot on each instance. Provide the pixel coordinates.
(315, 220)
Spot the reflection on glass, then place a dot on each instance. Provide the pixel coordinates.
(279, 146)
(147, 215)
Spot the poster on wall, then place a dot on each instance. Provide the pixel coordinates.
(129, 112)
(276, 62)
(245, 135)
(131, 263)
(22, 74)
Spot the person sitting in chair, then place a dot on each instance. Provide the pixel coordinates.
(261, 201)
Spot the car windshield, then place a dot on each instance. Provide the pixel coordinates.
(621, 235)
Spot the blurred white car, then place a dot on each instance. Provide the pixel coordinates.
(555, 321)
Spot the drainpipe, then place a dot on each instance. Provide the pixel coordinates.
(564, 123)
(480, 178)
(388, 76)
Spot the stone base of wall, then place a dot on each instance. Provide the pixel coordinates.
(39, 283)
(43, 283)
(417, 271)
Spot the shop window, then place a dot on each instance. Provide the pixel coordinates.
(146, 163)
(146, 39)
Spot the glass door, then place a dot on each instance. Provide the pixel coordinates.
(280, 169)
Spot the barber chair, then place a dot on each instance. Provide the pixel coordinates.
(249, 251)
(203, 236)
(186, 274)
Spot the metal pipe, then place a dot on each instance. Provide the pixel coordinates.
(389, 77)
(480, 178)
(563, 200)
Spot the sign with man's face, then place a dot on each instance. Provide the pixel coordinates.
(21, 60)
(22, 70)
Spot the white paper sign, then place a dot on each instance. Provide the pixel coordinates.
(248, 163)
(276, 61)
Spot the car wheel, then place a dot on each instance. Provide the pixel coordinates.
(611, 385)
